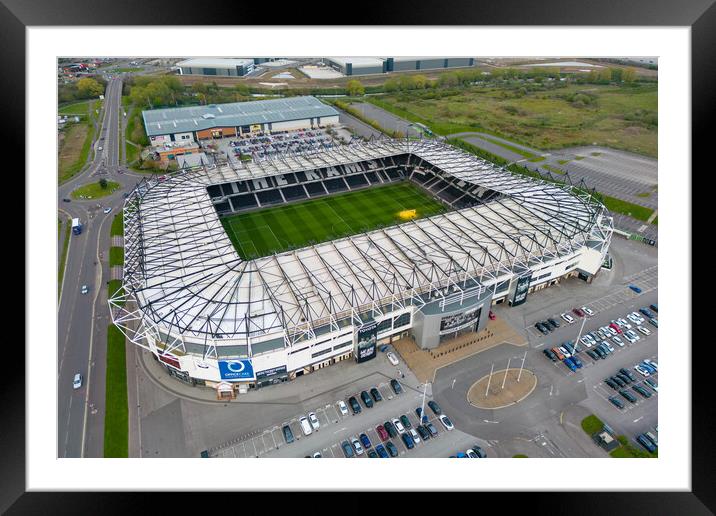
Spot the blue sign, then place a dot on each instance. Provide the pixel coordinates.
(236, 370)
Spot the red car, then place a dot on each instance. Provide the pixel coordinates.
(491, 316)
(615, 327)
(579, 312)
(382, 432)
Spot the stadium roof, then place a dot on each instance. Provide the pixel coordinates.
(215, 62)
(197, 118)
(186, 278)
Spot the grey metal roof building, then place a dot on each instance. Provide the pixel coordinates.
(216, 66)
(196, 118)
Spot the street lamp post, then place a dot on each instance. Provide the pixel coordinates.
(422, 407)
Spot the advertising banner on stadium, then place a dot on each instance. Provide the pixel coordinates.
(236, 370)
(366, 339)
(523, 284)
(170, 360)
(457, 322)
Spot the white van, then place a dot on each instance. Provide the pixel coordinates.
(305, 426)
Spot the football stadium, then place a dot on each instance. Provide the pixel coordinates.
(244, 274)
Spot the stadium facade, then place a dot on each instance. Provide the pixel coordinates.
(215, 319)
(193, 123)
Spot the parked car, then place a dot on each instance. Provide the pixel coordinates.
(641, 370)
(314, 420)
(592, 354)
(392, 432)
(618, 341)
(471, 454)
(577, 362)
(549, 354)
(654, 307)
(557, 352)
(431, 428)
(376, 394)
(569, 346)
(66, 200)
(424, 434)
(380, 449)
(570, 364)
(564, 351)
(408, 440)
(646, 312)
(418, 412)
(355, 406)
(343, 408)
(398, 426)
(392, 358)
(365, 441)
(654, 322)
(624, 378)
(305, 426)
(77, 381)
(651, 383)
(382, 433)
(611, 383)
(406, 422)
(317, 455)
(628, 373)
(372, 454)
(646, 443)
(391, 449)
(287, 434)
(629, 396)
(586, 340)
(367, 400)
(542, 328)
(347, 450)
(635, 289)
(446, 422)
(567, 318)
(479, 452)
(414, 434)
(357, 446)
(588, 310)
(435, 407)
(551, 324)
(616, 402)
(643, 330)
(107, 210)
(654, 439)
(618, 381)
(599, 352)
(491, 316)
(641, 390)
(397, 388)
(578, 312)
(652, 363)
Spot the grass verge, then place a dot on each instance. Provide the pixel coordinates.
(116, 417)
(117, 228)
(94, 190)
(63, 257)
(116, 256)
(628, 451)
(592, 424)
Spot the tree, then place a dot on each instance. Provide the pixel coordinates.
(103, 183)
(89, 88)
(355, 88)
(628, 75)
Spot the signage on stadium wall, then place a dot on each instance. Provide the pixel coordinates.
(170, 360)
(271, 372)
(236, 370)
(366, 339)
(457, 322)
(523, 285)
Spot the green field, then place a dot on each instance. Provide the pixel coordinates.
(292, 226)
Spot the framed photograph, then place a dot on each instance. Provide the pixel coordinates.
(418, 234)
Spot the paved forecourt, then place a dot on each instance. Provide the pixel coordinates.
(272, 230)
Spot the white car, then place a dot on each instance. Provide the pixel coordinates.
(446, 422)
(356, 445)
(305, 426)
(343, 408)
(317, 455)
(612, 331)
(84, 289)
(584, 340)
(630, 338)
(567, 318)
(77, 381)
(641, 370)
(392, 358)
(608, 346)
(588, 310)
(414, 435)
(633, 335)
(643, 330)
(633, 319)
(107, 210)
(564, 351)
(623, 323)
(314, 420)
(471, 454)
(618, 341)
(398, 426)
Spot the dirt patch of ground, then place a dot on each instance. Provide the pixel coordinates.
(423, 362)
(497, 396)
(71, 146)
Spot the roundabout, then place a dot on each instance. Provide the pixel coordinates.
(497, 391)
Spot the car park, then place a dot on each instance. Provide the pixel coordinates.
(398, 426)
(357, 446)
(391, 449)
(380, 449)
(646, 443)
(431, 428)
(446, 422)
(365, 441)
(77, 381)
(343, 408)
(588, 310)
(375, 393)
(355, 406)
(392, 358)
(641, 390)
(395, 385)
(408, 440)
(382, 433)
(347, 450)
(314, 420)
(305, 426)
(629, 396)
(406, 422)
(567, 317)
(616, 402)
(390, 428)
(424, 434)
(643, 330)
(435, 407)
(367, 400)
(287, 434)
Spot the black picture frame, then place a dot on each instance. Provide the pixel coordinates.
(700, 15)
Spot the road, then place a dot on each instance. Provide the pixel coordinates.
(83, 319)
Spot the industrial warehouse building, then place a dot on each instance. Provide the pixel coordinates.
(216, 66)
(215, 319)
(377, 65)
(195, 123)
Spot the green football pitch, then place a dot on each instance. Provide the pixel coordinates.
(292, 226)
